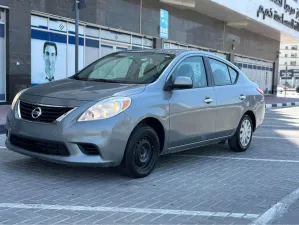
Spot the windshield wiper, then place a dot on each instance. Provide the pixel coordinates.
(106, 80)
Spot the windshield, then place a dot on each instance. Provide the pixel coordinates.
(127, 67)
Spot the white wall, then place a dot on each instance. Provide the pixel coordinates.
(249, 8)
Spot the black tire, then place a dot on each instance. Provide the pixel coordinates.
(142, 152)
(235, 142)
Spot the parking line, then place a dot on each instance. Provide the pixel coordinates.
(2, 147)
(286, 138)
(239, 158)
(278, 125)
(277, 210)
(125, 210)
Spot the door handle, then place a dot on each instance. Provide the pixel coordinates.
(242, 97)
(208, 100)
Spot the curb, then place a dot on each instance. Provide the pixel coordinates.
(280, 105)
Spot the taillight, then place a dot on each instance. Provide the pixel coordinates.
(260, 91)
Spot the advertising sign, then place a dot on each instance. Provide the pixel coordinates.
(286, 75)
(163, 24)
(48, 56)
(296, 73)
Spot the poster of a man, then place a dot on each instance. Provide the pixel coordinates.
(50, 53)
(48, 56)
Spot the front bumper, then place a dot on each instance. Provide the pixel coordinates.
(109, 136)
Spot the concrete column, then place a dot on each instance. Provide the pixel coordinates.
(158, 43)
(231, 57)
(275, 77)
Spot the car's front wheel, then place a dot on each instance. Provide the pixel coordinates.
(240, 142)
(142, 152)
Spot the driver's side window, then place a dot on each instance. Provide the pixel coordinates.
(192, 67)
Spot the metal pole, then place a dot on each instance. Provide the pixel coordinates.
(285, 83)
(140, 17)
(77, 35)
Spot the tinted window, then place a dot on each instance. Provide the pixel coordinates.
(220, 72)
(233, 74)
(250, 66)
(192, 67)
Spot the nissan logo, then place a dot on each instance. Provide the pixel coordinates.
(37, 112)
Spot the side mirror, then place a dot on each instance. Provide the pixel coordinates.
(181, 82)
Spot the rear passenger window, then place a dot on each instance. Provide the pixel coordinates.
(220, 73)
(233, 74)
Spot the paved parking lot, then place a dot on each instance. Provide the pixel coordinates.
(208, 185)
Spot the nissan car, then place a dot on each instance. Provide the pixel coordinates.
(128, 108)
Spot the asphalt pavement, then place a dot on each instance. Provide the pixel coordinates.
(209, 185)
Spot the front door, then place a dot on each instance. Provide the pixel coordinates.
(192, 111)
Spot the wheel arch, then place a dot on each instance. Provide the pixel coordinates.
(157, 125)
(253, 118)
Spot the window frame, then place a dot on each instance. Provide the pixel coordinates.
(237, 76)
(293, 63)
(227, 66)
(208, 78)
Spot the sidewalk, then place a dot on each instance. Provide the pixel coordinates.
(273, 101)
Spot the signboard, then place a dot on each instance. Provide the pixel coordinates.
(291, 22)
(163, 24)
(296, 74)
(286, 75)
(281, 15)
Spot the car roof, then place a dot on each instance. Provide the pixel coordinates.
(170, 51)
(178, 52)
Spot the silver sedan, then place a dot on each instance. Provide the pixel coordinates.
(128, 108)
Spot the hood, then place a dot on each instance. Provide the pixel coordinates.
(70, 89)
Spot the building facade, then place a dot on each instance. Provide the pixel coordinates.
(37, 37)
(289, 64)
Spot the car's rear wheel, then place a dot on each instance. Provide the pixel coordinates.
(142, 152)
(240, 142)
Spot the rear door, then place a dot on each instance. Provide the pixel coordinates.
(229, 97)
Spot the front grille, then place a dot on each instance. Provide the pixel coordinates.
(48, 113)
(89, 149)
(39, 146)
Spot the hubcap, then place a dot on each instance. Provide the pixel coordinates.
(245, 133)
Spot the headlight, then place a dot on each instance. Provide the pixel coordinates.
(16, 98)
(106, 109)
